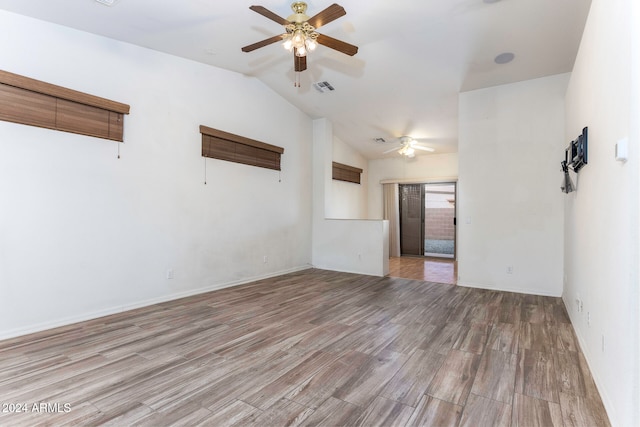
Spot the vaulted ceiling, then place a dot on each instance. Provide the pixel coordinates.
(414, 57)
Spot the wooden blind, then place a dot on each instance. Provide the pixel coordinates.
(346, 173)
(32, 102)
(217, 144)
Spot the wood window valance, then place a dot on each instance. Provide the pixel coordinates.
(32, 102)
(346, 173)
(221, 145)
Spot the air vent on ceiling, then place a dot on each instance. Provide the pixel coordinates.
(107, 2)
(323, 87)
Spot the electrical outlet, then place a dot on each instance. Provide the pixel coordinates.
(170, 273)
(509, 269)
(265, 259)
(588, 318)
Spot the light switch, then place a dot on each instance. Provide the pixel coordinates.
(622, 150)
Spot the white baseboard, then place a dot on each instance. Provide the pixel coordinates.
(39, 327)
(340, 270)
(507, 289)
(606, 401)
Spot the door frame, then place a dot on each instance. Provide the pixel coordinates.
(442, 180)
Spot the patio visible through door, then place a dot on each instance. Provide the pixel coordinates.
(439, 220)
(427, 219)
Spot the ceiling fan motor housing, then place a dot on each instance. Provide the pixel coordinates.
(299, 13)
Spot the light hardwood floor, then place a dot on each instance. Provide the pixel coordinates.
(310, 348)
(439, 270)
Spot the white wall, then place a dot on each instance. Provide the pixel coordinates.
(431, 167)
(83, 233)
(601, 217)
(350, 245)
(509, 198)
(347, 200)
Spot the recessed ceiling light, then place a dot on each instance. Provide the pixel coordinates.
(504, 58)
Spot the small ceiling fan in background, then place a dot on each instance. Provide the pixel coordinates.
(300, 35)
(408, 146)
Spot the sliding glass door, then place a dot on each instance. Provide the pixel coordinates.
(411, 219)
(439, 220)
(427, 219)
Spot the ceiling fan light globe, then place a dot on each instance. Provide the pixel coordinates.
(288, 44)
(301, 51)
(311, 44)
(298, 39)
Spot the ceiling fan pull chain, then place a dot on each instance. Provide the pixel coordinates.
(118, 149)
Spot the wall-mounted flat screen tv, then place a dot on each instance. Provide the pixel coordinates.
(576, 153)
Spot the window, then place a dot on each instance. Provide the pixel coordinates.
(32, 102)
(217, 144)
(346, 173)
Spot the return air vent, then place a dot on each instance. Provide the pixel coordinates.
(323, 87)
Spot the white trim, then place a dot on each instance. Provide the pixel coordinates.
(343, 270)
(506, 289)
(609, 407)
(119, 309)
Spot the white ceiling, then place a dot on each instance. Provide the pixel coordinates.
(414, 57)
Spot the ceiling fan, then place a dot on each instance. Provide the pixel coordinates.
(300, 35)
(408, 147)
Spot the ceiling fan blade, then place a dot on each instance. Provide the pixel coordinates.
(268, 14)
(339, 45)
(391, 150)
(331, 13)
(263, 43)
(299, 62)
(423, 148)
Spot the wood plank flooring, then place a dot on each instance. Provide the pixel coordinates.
(429, 269)
(309, 348)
